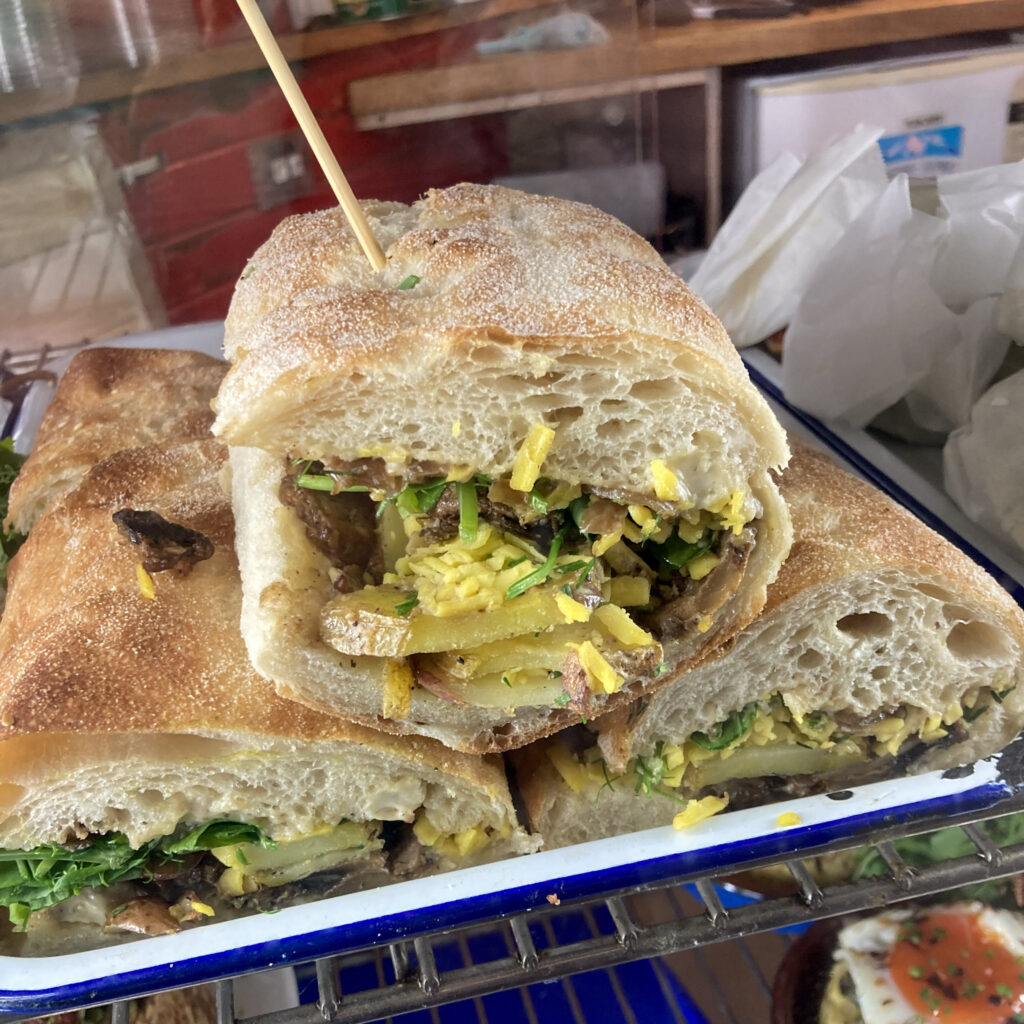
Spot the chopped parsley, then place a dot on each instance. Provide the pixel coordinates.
(561, 700)
(410, 282)
(406, 606)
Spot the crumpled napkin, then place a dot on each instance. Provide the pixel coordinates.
(985, 210)
(905, 305)
(790, 215)
(982, 462)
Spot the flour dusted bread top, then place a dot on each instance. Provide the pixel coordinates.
(110, 399)
(118, 712)
(496, 310)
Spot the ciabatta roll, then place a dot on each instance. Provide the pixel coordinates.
(513, 481)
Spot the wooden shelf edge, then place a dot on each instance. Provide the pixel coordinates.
(699, 44)
(238, 58)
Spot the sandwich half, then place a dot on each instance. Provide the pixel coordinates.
(149, 778)
(883, 650)
(110, 399)
(511, 482)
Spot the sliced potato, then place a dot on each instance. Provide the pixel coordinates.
(523, 689)
(252, 867)
(749, 762)
(366, 622)
(546, 651)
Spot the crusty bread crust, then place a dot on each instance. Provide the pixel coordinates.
(108, 400)
(123, 713)
(525, 309)
(871, 610)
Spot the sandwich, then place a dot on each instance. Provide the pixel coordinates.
(882, 650)
(151, 780)
(110, 399)
(512, 482)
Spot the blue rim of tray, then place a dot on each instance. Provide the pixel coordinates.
(455, 911)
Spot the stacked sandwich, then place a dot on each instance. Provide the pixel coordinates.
(514, 493)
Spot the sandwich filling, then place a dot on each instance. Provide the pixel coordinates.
(216, 870)
(766, 750)
(520, 590)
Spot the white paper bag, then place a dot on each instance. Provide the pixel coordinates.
(869, 325)
(982, 462)
(773, 241)
(985, 210)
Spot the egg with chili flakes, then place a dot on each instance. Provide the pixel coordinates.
(960, 964)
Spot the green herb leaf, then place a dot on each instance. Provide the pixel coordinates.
(248, 272)
(542, 572)
(408, 604)
(506, 681)
(325, 482)
(419, 499)
(553, 673)
(573, 566)
(561, 700)
(676, 552)
(469, 511)
(738, 724)
(576, 509)
(537, 501)
(410, 282)
(50, 874)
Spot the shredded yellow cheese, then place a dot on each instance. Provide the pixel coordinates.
(698, 810)
(203, 908)
(572, 611)
(666, 486)
(530, 457)
(702, 565)
(457, 844)
(574, 774)
(622, 627)
(398, 684)
(604, 542)
(787, 819)
(146, 587)
(456, 428)
(600, 674)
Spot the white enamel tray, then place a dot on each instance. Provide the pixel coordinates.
(358, 920)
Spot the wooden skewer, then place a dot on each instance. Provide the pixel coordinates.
(314, 136)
